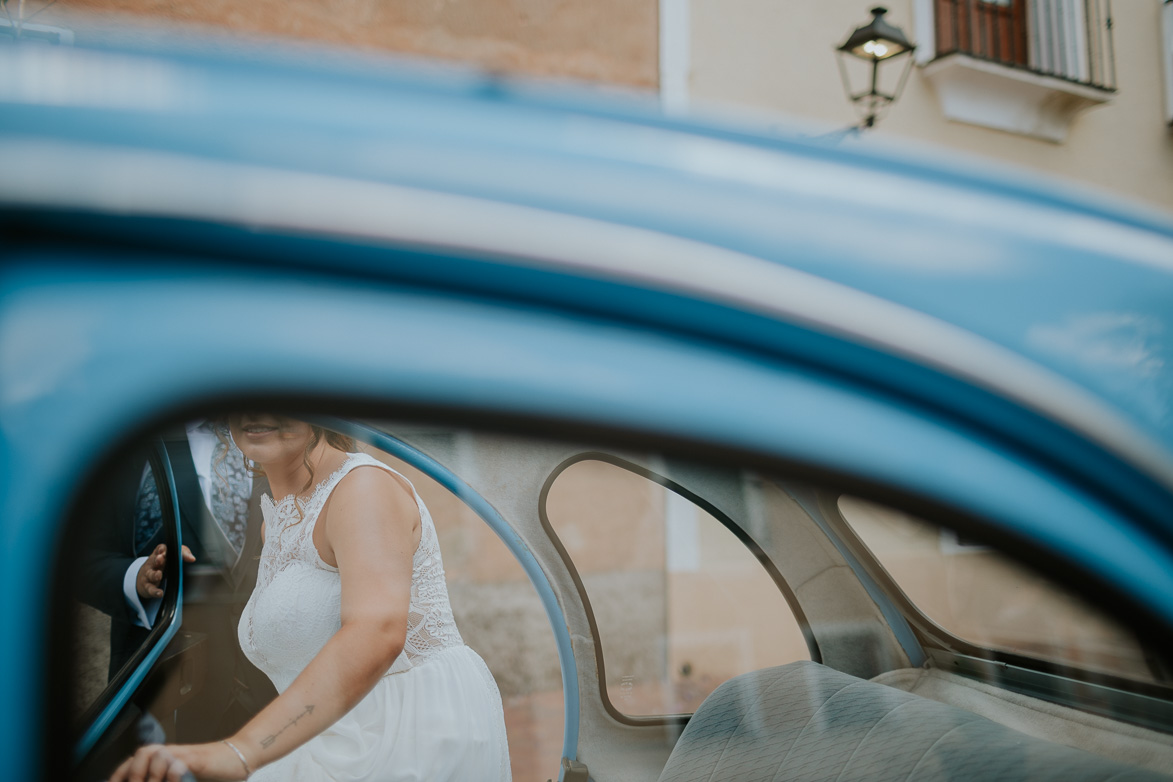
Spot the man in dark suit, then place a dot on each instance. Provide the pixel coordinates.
(220, 526)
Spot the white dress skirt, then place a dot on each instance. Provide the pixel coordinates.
(435, 715)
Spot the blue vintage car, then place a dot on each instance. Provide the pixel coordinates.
(752, 457)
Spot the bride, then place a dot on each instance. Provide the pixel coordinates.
(350, 619)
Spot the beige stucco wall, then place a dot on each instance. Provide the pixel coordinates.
(981, 596)
(778, 56)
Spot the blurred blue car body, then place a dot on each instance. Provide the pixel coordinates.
(189, 227)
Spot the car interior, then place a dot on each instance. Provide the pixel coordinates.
(654, 614)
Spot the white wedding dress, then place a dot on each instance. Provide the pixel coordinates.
(435, 715)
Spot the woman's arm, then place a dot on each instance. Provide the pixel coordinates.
(371, 530)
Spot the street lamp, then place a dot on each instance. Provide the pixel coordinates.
(871, 66)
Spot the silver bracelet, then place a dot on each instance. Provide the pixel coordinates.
(248, 772)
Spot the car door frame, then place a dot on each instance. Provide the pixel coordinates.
(102, 716)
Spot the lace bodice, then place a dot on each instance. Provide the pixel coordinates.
(296, 606)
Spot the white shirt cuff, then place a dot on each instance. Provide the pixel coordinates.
(145, 610)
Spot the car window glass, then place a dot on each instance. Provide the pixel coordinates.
(981, 596)
(680, 602)
(674, 577)
(127, 520)
(201, 687)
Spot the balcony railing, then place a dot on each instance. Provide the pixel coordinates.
(1067, 39)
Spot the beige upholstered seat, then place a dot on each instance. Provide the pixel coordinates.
(805, 722)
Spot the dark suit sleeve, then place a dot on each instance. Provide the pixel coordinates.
(106, 538)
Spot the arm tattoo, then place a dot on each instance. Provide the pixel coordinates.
(267, 741)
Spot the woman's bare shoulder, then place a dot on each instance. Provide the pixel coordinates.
(373, 488)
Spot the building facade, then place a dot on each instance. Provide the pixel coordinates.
(1077, 89)
(1069, 88)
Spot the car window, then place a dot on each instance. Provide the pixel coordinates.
(981, 596)
(128, 519)
(662, 595)
(680, 602)
(199, 685)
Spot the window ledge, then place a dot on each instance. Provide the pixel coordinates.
(1011, 99)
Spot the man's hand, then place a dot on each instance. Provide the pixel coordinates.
(150, 575)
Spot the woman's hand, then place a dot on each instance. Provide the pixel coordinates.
(168, 763)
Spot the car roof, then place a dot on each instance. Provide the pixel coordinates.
(1051, 298)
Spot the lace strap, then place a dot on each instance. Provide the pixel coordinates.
(312, 507)
(364, 459)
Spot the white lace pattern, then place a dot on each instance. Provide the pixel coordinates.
(295, 608)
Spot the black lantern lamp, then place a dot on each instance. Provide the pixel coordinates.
(874, 62)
